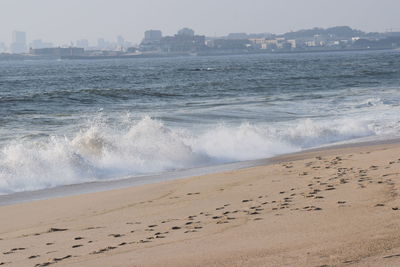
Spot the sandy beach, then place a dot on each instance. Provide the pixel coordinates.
(336, 207)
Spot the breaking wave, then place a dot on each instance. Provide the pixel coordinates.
(101, 151)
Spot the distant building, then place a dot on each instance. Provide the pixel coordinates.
(186, 32)
(83, 43)
(120, 42)
(231, 45)
(259, 35)
(151, 41)
(58, 51)
(37, 44)
(131, 50)
(18, 45)
(129, 44)
(310, 43)
(101, 43)
(292, 42)
(320, 40)
(237, 36)
(273, 44)
(152, 36)
(259, 43)
(3, 48)
(185, 41)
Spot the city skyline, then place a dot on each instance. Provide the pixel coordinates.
(22, 42)
(59, 22)
(187, 42)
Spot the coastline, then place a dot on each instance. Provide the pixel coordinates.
(23, 57)
(331, 206)
(101, 186)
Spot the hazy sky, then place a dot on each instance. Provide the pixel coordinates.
(62, 21)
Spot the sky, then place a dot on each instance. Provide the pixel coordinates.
(63, 21)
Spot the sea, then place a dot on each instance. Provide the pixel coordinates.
(65, 122)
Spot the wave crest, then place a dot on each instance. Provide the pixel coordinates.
(104, 151)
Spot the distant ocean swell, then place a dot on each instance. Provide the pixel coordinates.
(101, 151)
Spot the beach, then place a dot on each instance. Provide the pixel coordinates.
(331, 207)
(176, 135)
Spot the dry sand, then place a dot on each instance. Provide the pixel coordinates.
(337, 207)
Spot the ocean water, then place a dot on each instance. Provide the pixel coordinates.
(69, 122)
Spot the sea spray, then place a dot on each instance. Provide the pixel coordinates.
(103, 151)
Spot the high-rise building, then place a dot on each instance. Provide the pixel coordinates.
(18, 45)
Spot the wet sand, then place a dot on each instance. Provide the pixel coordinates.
(335, 207)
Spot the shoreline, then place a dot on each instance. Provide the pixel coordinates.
(23, 57)
(325, 207)
(133, 181)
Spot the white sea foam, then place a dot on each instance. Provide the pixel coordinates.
(133, 147)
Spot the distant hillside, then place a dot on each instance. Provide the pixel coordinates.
(337, 32)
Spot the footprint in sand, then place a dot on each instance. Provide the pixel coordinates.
(190, 231)
(55, 260)
(33, 257)
(102, 250)
(93, 227)
(159, 235)
(391, 256)
(51, 230)
(116, 235)
(13, 250)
